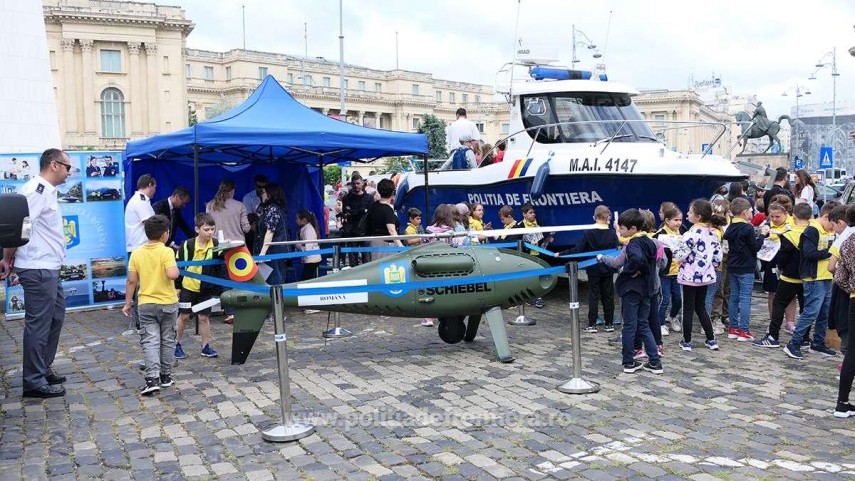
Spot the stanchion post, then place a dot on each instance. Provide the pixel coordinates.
(521, 319)
(577, 385)
(337, 330)
(288, 430)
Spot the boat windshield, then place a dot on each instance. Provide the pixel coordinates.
(583, 117)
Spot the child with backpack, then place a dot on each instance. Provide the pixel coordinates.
(601, 285)
(743, 244)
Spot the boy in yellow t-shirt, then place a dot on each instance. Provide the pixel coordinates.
(153, 268)
(414, 226)
(194, 291)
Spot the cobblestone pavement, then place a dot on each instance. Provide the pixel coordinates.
(394, 402)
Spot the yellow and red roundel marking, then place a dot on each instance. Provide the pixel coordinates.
(240, 265)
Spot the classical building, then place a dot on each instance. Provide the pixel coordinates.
(685, 123)
(121, 71)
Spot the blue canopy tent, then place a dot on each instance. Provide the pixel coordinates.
(269, 133)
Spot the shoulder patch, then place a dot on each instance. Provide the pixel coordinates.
(142, 196)
(40, 189)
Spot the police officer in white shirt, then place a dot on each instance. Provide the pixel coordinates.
(38, 264)
(460, 128)
(136, 212)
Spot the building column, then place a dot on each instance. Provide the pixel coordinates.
(361, 117)
(135, 102)
(88, 87)
(153, 90)
(68, 85)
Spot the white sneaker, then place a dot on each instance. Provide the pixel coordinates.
(676, 324)
(718, 329)
(310, 311)
(427, 322)
(665, 331)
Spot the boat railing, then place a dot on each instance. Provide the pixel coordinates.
(659, 129)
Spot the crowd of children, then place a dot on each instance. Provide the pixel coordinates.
(661, 272)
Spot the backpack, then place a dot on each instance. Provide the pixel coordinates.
(843, 275)
(458, 159)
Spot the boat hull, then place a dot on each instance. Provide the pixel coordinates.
(567, 199)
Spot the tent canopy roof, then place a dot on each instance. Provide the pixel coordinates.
(271, 126)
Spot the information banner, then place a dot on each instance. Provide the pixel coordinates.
(91, 202)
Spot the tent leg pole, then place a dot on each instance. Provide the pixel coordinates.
(427, 212)
(195, 179)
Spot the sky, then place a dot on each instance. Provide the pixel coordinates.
(756, 48)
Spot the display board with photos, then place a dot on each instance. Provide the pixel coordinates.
(91, 202)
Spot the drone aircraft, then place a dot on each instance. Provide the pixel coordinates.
(458, 307)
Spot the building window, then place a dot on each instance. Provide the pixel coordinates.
(344, 84)
(451, 97)
(307, 80)
(417, 123)
(415, 89)
(465, 98)
(361, 85)
(378, 87)
(290, 79)
(660, 119)
(438, 96)
(480, 126)
(208, 72)
(112, 114)
(228, 73)
(327, 81)
(505, 128)
(187, 70)
(477, 99)
(111, 61)
(262, 72)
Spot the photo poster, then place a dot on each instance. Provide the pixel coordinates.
(93, 213)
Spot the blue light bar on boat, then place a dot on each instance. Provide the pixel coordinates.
(553, 73)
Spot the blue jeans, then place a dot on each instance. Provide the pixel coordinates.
(711, 290)
(635, 309)
(740, 300)
(817, 305)
(670, 290)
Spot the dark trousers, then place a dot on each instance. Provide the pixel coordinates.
(601, 288)
(310, 271)
(848, 371)
(653, 321)
(356, 258)
(635, 309)
(44, 314)
(694, 298)
(784, 295)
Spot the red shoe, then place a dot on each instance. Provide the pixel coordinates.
(229, 320)
(638, 354)
(732, 333)
(661, 350)
(745, 336)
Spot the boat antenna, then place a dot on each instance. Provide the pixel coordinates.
(608, 29)
(514, 57)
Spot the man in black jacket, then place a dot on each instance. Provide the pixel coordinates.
(779, 187)
(355, 205)
(171, 209)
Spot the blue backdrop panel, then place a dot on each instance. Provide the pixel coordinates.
(93, 218)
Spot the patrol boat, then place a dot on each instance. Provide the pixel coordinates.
(578, 141)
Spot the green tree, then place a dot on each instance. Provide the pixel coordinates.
(395, 164)
(332, 174)
(435, 130)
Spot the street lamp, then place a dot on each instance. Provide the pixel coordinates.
(587, 43)
(822, 63)
(800, 91)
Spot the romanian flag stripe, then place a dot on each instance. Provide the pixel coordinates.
(519, 168)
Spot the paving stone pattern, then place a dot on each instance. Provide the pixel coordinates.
(394, 402)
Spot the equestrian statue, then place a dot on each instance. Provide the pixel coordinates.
(758, 125)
